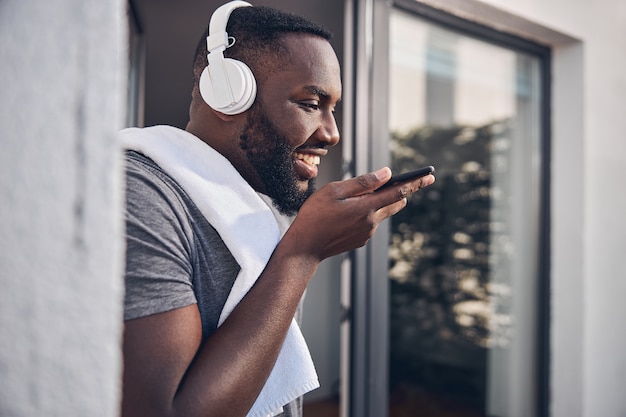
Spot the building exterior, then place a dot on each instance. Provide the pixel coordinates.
(501, 290)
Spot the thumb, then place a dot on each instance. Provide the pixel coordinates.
(366, 183)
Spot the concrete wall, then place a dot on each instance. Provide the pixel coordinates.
(62, 68)
(588, 343)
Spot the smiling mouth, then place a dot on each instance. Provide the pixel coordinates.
(308, 158)
(306, 165)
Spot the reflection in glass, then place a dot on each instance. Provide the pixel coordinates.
(462, 256)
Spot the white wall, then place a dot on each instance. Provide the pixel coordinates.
(588, 341)
(62, 69)
(588, 270)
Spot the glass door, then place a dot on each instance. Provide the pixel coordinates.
(448, 301)
(463, 259)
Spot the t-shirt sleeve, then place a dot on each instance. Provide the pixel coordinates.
(158, 249)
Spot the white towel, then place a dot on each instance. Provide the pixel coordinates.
(250, 231)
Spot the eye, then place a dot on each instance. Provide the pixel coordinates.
(310, 105)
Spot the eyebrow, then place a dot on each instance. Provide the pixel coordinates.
(313, 89)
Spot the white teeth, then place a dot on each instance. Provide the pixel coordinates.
(308, 158)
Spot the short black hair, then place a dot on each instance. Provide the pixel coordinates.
(258, 32)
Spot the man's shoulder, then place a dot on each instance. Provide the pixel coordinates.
(136, 162)
(151, 191)
(145, 179)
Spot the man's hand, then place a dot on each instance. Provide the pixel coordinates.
(344, 215)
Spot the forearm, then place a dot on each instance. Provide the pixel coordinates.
(234, 363)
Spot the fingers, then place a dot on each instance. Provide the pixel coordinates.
(364, 184)
(383, 203)
(402, 191)
(362, 188)
(390, 209)
(405, 189)
(394, 198)
(343, 215)
(367, 183)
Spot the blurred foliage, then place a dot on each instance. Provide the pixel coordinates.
(448, 259)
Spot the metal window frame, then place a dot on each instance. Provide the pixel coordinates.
(367, 125)
(136, 68)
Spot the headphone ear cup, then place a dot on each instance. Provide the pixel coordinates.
(234, 98)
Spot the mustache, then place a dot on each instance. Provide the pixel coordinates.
(310, 146)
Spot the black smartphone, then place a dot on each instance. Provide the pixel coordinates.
(406, 176)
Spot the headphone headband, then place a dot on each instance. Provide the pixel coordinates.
(218, 37)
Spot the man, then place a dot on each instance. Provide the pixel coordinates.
(216, 263)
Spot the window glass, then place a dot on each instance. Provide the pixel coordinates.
(463, 255)
(136, 69)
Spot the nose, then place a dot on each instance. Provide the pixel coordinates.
(328, 131)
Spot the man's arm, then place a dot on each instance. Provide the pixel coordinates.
(168, 373)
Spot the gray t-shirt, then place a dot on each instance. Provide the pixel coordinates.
(174, 257)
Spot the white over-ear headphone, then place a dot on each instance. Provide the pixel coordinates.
(227, 85)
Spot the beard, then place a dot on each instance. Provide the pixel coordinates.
(272, 158)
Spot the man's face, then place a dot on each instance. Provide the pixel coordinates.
(272, 157)
(292, 123)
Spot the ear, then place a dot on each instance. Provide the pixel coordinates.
(223, 116)
(199, 109)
